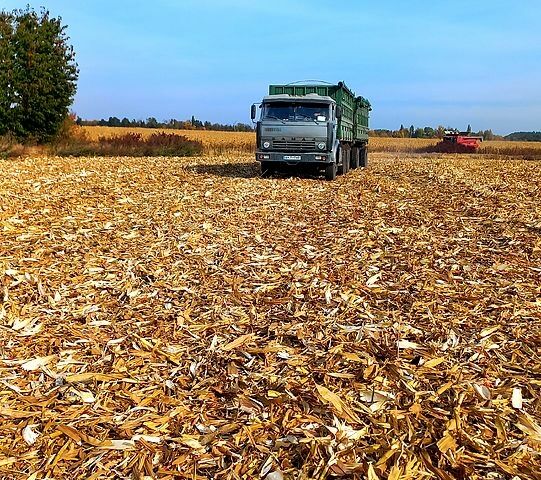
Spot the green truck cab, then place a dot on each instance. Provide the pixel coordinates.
(318, 127)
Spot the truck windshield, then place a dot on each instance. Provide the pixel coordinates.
(292, 112)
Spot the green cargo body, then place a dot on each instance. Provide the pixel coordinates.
(353, 126)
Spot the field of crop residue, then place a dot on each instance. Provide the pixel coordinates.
(185, 318)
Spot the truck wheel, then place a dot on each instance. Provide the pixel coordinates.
(266, 169)
(355, 151)
(345, 158)
(330, 171)
(363, 157)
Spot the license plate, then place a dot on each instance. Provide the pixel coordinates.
(292, 157)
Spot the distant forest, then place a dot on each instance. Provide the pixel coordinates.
(524, 136)
(430, 132)
(402, 132)
(438, 132)
(151, 122)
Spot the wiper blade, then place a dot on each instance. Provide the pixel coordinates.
(275, 118)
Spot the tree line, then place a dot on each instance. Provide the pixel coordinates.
(524, 136)
(175, 124)
(430, 132)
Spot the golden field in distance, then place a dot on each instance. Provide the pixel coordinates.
(213, 141)
(245, 141)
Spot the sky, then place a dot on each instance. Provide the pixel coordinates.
(433, 63)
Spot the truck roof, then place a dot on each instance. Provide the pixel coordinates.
(304, 98)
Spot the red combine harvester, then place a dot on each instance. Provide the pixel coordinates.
(459, 142)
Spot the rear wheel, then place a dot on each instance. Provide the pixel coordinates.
(363, 157)
(345, 159)
(330, 171)
(354, 158)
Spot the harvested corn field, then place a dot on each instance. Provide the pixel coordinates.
(184, 318)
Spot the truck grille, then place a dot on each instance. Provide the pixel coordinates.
(294, 145)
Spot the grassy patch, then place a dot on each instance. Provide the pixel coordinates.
(9, 147)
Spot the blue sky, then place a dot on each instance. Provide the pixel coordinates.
(419, 62)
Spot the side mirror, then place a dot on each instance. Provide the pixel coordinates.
(253, 111)
(338, 112)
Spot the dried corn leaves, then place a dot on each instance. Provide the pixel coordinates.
(166, 318)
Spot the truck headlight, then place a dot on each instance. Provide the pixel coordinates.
(321, 145)
(266, 144)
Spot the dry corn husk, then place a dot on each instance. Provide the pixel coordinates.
(185, 318)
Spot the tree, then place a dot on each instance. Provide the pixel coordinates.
(113, 122)
(38, 74)
(488, 135)
(6, 69)
(419, 133)
(429, 132)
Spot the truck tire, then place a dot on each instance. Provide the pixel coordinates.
(355, 152)
(363, 157)
(330, 171)
(345, 159)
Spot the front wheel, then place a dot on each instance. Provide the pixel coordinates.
(330, 171)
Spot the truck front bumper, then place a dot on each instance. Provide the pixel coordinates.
(290, 158)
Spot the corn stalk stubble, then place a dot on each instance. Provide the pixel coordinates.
(166, 317)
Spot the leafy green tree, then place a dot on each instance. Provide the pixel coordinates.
(429, 132)
(152, 123)
(113, 122)
(6, 70)
(38, 78)
(419, 133)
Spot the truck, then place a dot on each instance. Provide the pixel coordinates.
(317, 127)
